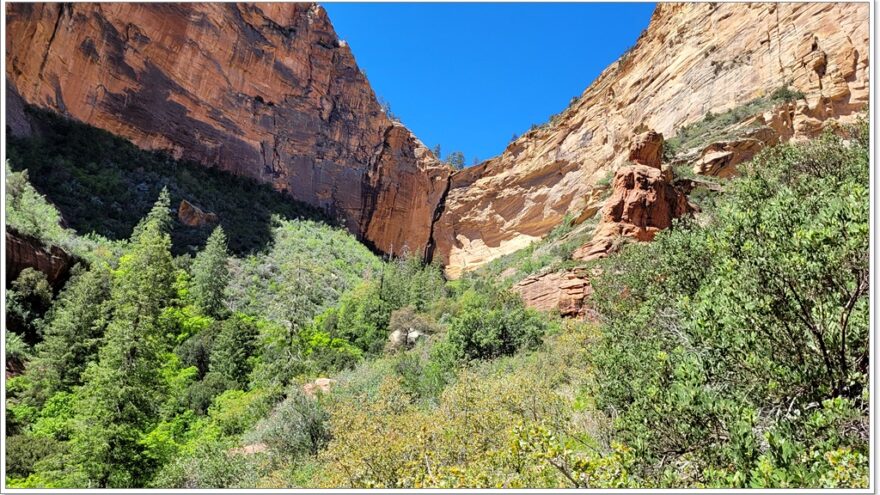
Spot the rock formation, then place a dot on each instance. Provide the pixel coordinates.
(643, 202)
(262, 90)
(269, 91)
(564, 292)
(193, 216)
(720, 159)
(647, 149)
(692, 59)
(24, 251)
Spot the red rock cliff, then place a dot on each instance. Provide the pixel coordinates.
(692, 59)
(262, 90)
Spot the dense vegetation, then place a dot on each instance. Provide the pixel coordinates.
(103, 184)
(730, 352)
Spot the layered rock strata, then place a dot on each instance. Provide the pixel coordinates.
(692, 59)
(24, 251)
(270, 92)
(261, 90)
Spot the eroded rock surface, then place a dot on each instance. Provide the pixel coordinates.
(269, 91)
(692, 59)
(24, 251)
(261, 90)
(556, 291)
(643, 202)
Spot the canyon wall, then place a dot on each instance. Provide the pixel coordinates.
(261, 90)
(692, 59)
(269, 91)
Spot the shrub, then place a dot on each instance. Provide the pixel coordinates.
(494, 325)
(296, 427)
(785, 94)
(739, 328)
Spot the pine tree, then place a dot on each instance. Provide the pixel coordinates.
(456, 159)
(235, 343)
(210, 275)
(123, 390)
(73, 330)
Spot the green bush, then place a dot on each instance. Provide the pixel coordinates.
(489, 326)
(738, 329)
(297, 427)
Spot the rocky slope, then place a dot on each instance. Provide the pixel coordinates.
(692, 59)
(262, 90)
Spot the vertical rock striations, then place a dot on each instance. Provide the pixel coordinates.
(692, 59)
(261, 90)
(269, 91)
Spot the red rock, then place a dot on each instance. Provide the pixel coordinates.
(193, 216)
(642, 203)
(647, 149)
(692, 58)
(261, 90)
(24, 251)
(556, 291)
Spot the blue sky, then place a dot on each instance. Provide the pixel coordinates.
(468, 76)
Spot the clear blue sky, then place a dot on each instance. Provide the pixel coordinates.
(468, 76)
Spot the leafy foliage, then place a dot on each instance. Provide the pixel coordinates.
(740, 328)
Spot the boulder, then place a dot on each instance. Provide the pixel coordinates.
(720, 159)
(564, 292)
(319, 386)
(193, 216)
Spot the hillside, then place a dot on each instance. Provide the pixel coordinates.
(227, 267)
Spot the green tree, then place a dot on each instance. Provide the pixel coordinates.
(740, 328)
(456, 160)
(210, 275)
(235, 344)
(26, 302)
(73, 330)
(123, 391)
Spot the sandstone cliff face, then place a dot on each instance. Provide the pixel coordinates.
(24, 251)
(643, 202)
(261, 90)
(692, 59)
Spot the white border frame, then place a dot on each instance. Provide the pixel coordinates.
(873, 278)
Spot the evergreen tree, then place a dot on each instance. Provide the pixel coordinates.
(73, 330)
(26, 302)
(210, 275)
(124, 389)
(436, 151)
(235, 343)
(456, 159)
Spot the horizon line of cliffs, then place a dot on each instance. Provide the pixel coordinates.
(269, 91)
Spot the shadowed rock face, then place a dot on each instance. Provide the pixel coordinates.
(692, 59)
(262, 90)
(24, 251)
